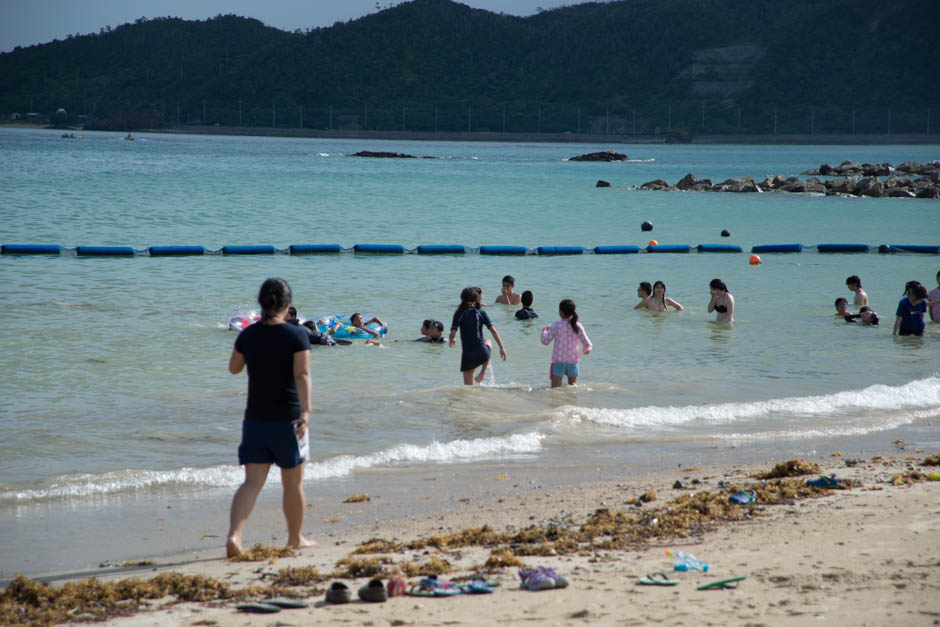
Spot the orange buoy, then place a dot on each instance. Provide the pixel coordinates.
(754, 260)
(653, 243)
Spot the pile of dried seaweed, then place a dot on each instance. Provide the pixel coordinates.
(26, 601)
(791, 468)
(261, 552)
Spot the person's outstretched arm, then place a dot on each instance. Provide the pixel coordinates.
(499, 340)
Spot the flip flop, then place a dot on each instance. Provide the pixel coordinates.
(657, 579)
(257, 608)
(477, 586)
(825, 482)
(292, 604)
(418, 591)
(722, 584)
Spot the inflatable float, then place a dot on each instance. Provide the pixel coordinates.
(347, 330)
(243, 319)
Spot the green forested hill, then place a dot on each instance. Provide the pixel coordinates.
(435, 64)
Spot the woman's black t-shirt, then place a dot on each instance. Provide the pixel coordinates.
(269, 354)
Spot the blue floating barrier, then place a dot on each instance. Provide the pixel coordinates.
(669, 248)
(248, 250)
(176, 251)
(30, 249)
(616, 250)
(777, 248)
(394, 249)
(104, 251)
(314, 249)
(719, 248)
(503, 250)
(910, 248)
(442, 249)
(842, 248)
(560, 250)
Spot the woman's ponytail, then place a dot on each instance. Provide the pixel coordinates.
(273, 296)
(567, 310)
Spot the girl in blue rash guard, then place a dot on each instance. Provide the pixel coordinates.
(470, 319)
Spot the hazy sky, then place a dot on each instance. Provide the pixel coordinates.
(28, 22)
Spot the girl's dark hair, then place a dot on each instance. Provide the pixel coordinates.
(646, 287)
(842, 300)
(919, 291)
(273, 296)
(718, 284)
(469, 299)
(567, 310)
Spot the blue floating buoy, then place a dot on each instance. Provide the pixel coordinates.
(104, 251)
(668, 248)
(248, 250)
(314, 249)
(616, 250)
(503, 250)
(386, 249)
(442, 249)
(560, 250)
(842, 248)
(176, 251)
(777, 248)
(912, 248)
(719, 248)
(30, 249)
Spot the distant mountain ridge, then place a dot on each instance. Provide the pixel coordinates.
(436, 63)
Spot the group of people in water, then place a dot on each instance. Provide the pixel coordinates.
(909, 317)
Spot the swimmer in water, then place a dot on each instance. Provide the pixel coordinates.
(659, 302)
(643, 292)
(842, 307)
(722, 301)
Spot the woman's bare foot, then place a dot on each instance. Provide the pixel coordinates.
(232, 547)
(303, 544)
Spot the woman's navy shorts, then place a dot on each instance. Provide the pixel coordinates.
(272, 443)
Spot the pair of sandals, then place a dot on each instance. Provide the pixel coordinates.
(662, 579)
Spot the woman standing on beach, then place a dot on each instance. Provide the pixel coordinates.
(566, 332)
(722, 301)
(277, 414)
(476, 351)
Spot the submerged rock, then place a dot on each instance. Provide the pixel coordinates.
(602, 183)
(383, 155)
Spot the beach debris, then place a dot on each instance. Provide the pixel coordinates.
(677, 485)
(836, 454)
(261, 552)
(355, 567)
(854, 462)
(434, 566)
(502, 558)
(907, 478)
(358, 498)
(792, 468)
(933, 460)
(299, 576)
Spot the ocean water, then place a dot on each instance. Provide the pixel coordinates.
(115, 385)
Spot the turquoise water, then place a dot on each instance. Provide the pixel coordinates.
(115, 380)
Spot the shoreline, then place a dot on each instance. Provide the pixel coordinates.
(164, 522)
(848, 557)
(913, 139)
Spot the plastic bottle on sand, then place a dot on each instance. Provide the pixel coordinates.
(684, 561)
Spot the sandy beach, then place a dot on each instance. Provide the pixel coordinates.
(868, 555)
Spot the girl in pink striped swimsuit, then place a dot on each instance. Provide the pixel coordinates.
(566, 332)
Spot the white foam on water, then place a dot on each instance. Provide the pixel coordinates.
(125, 481)
(919, 395)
